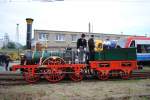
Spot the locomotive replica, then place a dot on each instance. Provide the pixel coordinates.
(55, 65)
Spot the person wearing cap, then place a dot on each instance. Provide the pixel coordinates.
(91, 45)
(81, 47)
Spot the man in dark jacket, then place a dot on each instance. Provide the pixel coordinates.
(7, 59)
(81, 47)
(2, 59)
(91, 45)
(81, 42)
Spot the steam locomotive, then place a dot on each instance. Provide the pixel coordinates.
(55, 65)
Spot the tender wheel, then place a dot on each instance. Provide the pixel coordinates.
(124, 75)
(53, 75)
(76, 77)
(103, 76)
(31, 78)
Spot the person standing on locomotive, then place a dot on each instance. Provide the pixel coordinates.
(81, 47)
(107, 44)
(91, 45)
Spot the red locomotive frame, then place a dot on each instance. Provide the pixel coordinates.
(53, 69)
(55, 72)
(123, 67)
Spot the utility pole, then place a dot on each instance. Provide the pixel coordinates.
(89, 27)
(17, 33)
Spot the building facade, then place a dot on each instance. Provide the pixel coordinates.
(62, 39)
(4, 39)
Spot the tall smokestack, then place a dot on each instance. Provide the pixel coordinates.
(29, 32)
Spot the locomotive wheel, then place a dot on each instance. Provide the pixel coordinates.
(124, 75)
(103, 76)
(53, 75)
(31, 78)
(76, 77)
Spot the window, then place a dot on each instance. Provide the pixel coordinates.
(143, 48)
(43, 36)
(60, 37)
(74, 38)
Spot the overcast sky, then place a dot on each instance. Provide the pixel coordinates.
(106, 16)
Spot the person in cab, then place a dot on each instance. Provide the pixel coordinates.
(81, 47)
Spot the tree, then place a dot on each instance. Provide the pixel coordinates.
(10, 45)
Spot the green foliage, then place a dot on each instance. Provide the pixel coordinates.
(24, 47)
(10, 45)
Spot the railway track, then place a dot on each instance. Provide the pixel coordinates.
(11, 78)
(140, 75)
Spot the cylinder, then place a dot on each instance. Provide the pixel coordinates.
(29, 32)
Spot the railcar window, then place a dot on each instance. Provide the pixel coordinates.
(143, 48)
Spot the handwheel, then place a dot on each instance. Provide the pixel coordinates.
(76, 77)
(103, 76)
(31, 78)
(53, 75)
